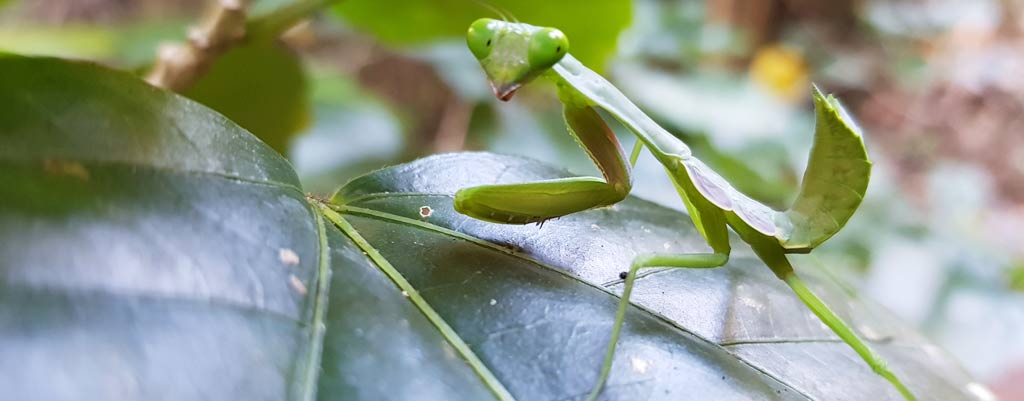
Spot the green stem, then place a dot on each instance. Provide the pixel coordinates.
(637, 147)
(276, 22)
(843, 331)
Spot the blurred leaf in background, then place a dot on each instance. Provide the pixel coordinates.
(130, 45)
(1016, 277)
(353, 132)
(260, 86)
(593, 26)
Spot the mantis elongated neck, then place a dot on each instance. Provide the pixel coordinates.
(592, 88)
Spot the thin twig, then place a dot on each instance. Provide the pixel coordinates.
(453, 127)
(178, 65)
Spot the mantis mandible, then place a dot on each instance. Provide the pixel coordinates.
(513, 54)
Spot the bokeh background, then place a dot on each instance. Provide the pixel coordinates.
(937, 85)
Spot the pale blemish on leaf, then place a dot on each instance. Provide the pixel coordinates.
(288, 257)
(426, 211)
(751, 303)
(298, 285)
(449, 352)
(639, 365)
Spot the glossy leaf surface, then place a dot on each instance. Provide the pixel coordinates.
(151, 249)
(739, 321)
(141, 238)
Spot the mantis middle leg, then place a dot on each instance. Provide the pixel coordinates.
(534, 202)
(688, 261)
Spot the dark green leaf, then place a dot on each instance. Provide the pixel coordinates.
(140, 243)
(151, 249)
(593, 27)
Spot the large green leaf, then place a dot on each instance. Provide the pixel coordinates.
(593, 26)
(133, 263)
(739, 321)
(151, 249)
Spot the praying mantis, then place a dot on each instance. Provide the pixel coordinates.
(513, 54)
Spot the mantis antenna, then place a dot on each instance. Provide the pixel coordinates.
(504, 14)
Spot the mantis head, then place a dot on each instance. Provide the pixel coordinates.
(512, 54)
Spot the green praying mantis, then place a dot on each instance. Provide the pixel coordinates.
(513, 54)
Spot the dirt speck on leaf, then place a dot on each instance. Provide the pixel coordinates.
(61, 167)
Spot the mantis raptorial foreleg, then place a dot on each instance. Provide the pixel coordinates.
(538, 201)
(652, 260)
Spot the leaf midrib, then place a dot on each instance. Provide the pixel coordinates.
(410, 292)
(318, 329)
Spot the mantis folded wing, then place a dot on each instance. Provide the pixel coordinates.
(513, 54)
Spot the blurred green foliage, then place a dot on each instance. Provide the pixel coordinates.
(131, 45)
(352, 132)
(1016, 276)
(593, 27)
(260, 86)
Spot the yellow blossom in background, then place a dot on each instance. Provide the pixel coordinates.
(782, 70)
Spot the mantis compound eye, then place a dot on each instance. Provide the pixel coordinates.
(547, 47)
(480, 37)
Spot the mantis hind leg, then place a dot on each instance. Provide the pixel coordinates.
(773, 255)
(535, 202)
(844, 331)
(694, 260)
